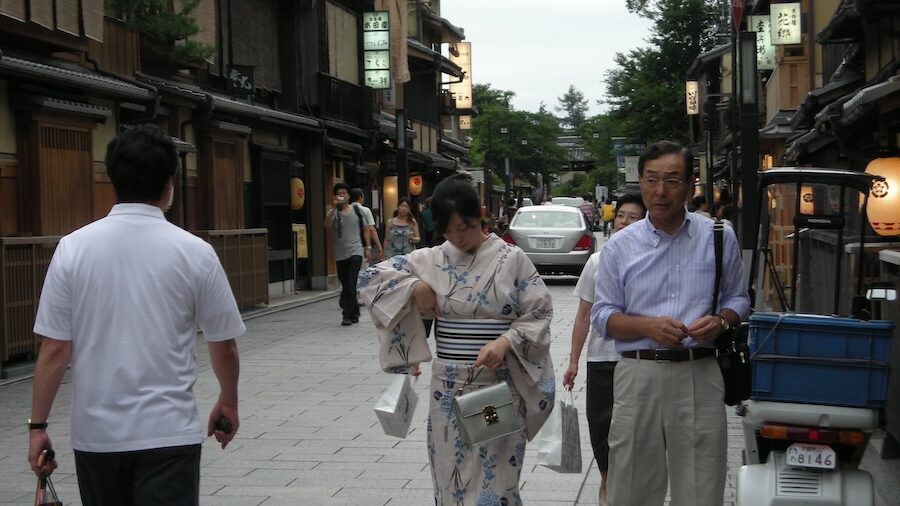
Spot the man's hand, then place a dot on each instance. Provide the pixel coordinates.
(229, 412)
(666, 331)
(367, 253)
(491, 355)
(424, 299)
(38, 441)
(705, 329)
(570, 374)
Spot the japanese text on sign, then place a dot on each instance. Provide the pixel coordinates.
(692, 97)
(462, 91)
(240, 80)
(376, 50)
(765, 51)
(785, 23)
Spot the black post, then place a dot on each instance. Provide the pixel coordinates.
(488, 178)
(402, 159)
(749, 141)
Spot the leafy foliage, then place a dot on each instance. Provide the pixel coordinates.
(574, 105)
(164, 29)
(539, 155)
(647, 89)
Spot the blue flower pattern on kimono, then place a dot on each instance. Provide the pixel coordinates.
(547, 386)
(365, 275)
(399, 263)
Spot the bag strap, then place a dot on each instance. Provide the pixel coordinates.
(469, 379)
(718, 239)
(362, 226)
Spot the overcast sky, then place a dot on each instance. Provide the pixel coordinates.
(536, 48)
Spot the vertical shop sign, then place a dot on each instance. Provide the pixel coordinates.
(765, 51)
(376, 51)
(785, 23)
(462, 91)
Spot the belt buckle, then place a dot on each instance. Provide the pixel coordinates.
(657, 358)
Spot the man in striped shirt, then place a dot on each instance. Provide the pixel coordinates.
(587, 209)
(654, 294)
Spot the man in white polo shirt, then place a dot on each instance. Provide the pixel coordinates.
(123, 298)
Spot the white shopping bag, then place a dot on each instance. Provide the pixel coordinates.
(396, 406)
(559, 442)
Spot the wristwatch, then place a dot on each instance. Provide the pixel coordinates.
(726, 326)
(37, 425)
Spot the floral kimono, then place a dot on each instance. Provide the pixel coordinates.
(495, 291)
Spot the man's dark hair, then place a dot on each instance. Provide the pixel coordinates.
(339, 186)
(698, 201)
(140, 161)
(631, 198)
(663, 148)
(355, 194)
(451, 196)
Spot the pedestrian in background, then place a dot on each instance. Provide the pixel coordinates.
(654, 297)
(372, 243)
(427, 224)
(402, 232)
(700, 206)
(587, 209)
(493, 324)
(608, 213)
(122, 298)
(346, 225)
(602, 356)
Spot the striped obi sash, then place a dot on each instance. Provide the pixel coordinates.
(462, 340)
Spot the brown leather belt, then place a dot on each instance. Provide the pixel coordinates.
(670, 354)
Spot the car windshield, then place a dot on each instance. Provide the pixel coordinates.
(547, 219)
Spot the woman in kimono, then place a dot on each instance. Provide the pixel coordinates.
(493, 315)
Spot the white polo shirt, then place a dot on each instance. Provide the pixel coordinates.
(129, 291)
(599, 348)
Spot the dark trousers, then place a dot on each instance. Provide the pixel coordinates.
(146, 477)
(347, 271)
(599, 408)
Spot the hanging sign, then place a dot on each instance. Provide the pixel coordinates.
(765, 51)
(376, 50)
(785, 23)
(462, 91)
(692, 97)
(240, 80)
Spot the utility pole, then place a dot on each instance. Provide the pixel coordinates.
(402, 153)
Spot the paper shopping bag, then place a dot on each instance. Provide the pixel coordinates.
(559, 443)
(396, 406)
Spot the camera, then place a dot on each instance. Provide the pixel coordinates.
(340, 200)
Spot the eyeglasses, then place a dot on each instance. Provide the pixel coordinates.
(669, 184)
(631, 216)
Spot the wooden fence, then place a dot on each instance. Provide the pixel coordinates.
(243, 255)
(23, 266)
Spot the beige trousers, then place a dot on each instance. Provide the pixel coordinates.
(668, 428)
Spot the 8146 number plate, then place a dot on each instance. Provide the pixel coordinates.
(810, 455)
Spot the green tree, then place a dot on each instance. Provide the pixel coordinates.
(574, 105)
(165, 31)
(646, 89)
(539, 154)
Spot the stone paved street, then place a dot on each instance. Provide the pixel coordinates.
(308, 435)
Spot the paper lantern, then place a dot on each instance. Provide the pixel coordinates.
(807, 200)
(415, 185)
(389, 189)
(298, 193)
(884, 198)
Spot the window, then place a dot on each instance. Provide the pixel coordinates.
(343, 46)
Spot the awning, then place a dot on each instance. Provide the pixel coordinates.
(348, 147)
(435, 160)
(450, 32)
(60, 73)
(454, 147)
(844, 26)
(346, 128)
(387, 125)
(706, 58)
(423, 52)
(779, 127)
(819, 98)
(230, 105)
(95, 112)
(857, 106)
(807, 143)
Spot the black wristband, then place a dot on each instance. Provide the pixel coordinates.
(37, 425)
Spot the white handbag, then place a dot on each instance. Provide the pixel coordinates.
(396, 407)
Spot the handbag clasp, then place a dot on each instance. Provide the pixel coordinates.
(490, 414)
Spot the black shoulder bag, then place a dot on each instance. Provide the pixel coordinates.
(732, 351)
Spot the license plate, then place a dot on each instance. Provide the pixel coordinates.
(546, 243)
(809, 455)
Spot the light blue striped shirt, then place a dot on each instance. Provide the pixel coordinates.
(645, 272)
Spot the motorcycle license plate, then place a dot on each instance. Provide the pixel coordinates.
(810, 455)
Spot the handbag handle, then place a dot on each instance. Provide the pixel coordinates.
(469, 379)
(718, 233)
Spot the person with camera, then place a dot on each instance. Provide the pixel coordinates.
(347, 227)
(122, 299)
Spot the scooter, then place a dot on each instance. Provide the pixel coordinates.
(819, 380)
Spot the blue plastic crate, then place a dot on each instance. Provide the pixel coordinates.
(820, 359)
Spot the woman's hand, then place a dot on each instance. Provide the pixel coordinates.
(414, 370)
(424, 299)
(570, 374)
(491, 355)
